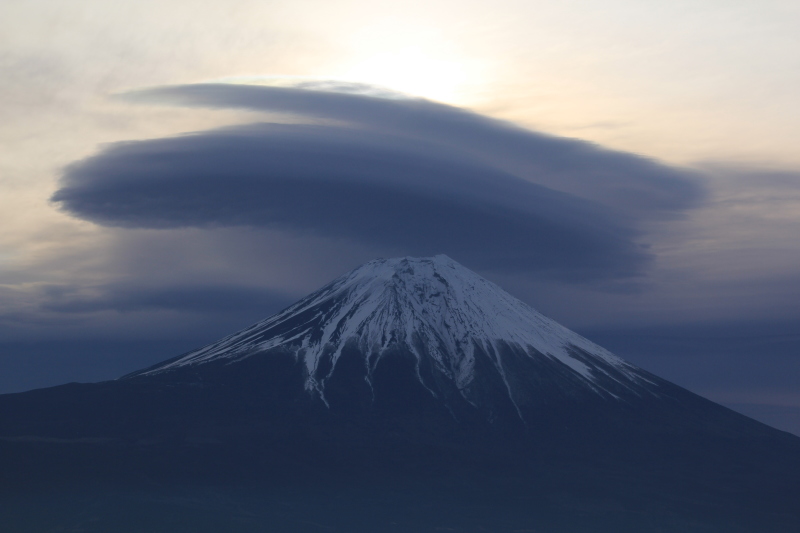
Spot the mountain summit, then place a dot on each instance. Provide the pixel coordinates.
(408, 395)
(465, 339)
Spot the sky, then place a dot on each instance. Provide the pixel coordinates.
(173, 171)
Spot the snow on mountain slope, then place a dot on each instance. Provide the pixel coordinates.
(431, 307)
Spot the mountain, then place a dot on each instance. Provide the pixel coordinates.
(407, 395)
(463, 341)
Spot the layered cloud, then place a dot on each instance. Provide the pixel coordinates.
(400, 176)
(621, 180)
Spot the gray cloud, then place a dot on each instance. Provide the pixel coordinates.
(399, 175)
(750, 366)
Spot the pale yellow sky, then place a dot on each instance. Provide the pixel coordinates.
(680, 81)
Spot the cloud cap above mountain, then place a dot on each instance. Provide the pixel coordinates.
(392, 174)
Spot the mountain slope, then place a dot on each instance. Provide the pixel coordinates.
(412, 386)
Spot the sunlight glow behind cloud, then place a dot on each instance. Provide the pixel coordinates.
(411, 70)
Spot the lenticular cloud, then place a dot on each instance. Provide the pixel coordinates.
(402, 175)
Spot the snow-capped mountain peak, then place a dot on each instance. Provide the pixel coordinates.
(441, 313)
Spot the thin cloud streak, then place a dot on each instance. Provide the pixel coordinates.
(202, 299)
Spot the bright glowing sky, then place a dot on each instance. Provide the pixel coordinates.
(709, 85)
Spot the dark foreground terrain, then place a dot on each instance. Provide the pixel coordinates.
(238, 453)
